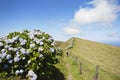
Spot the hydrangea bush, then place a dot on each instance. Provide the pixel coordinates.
(28, 54)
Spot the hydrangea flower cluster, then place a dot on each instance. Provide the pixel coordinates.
(32, 75)
(27, 53)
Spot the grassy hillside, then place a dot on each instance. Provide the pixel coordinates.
(59, 43)
(90, 54)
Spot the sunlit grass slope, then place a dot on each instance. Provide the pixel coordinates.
(59, 43)
(90, 54)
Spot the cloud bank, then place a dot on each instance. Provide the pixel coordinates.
(96, 11)
(71, 30)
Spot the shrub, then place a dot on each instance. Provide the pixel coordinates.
(28, 54)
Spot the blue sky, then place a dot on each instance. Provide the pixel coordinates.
(63, 18)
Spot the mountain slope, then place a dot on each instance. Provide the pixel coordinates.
(90, 54)
(59, 43)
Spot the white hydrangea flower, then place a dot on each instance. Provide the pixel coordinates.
(17, 72)
(15, 49)
(10, 61)
(18, 55)
(10, 41)
(15, 38)
(10, 48)
(53, 44)
(16, 59)
(3, 50)
(39, 32)
(20, 39)
(32, 75)
(23, 58)
(28, 51)
(21, 71)
(52, 49)
(41, 55)
(3, 55)
(43, 37)
(23, 51)
(23, 42)
(40, 49)
(41, 43)
(36, 40)
(35, 33)
(7, 41)
(7, 46)
(1, 44)
(29, 62)
(17, 52)
(31, 36)
(8, 56)
(32, 45)
(31, 42)
(50, 39)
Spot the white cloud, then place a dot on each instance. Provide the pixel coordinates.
(97, 11)
(71, 30)
(103, 11)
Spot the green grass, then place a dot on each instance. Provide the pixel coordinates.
(90, 54)
(59, 43)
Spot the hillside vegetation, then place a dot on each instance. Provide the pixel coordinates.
(89, 54)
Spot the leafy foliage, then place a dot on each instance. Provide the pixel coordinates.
(28, 54)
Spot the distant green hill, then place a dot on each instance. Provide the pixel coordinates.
(90, 54)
